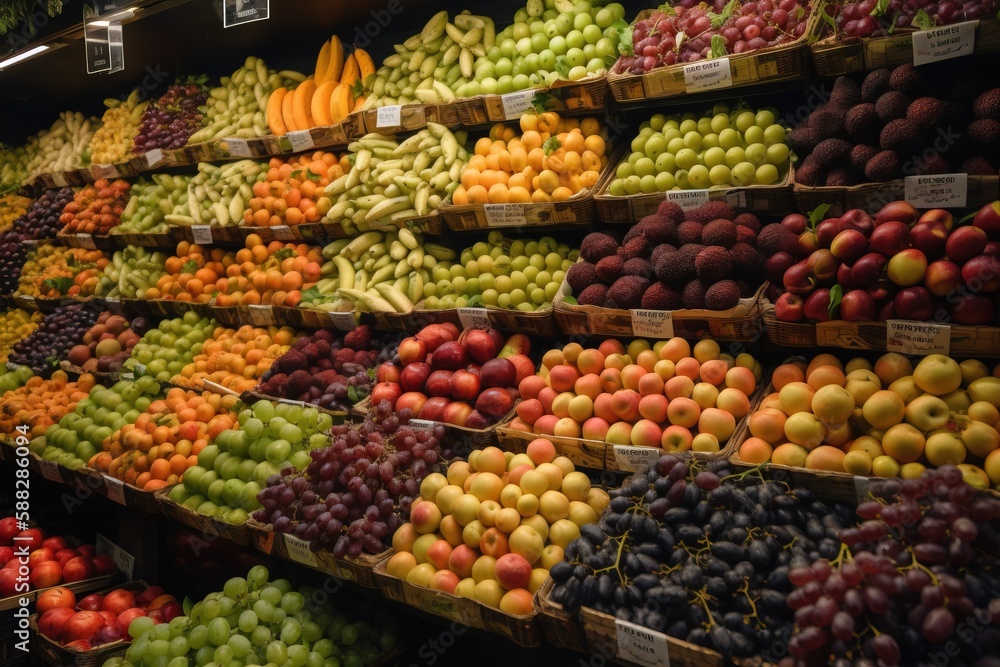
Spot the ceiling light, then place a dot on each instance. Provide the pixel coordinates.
(30, 53)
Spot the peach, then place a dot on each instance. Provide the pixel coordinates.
(517, 602)
(718, 422)
(650, 383)
(602, 409)
(529, 410)
(631, 375)
(588, 385)
(545, 397)
(563, 377)
(679, 386)
(733, 401)
(683, 412)
(620, 433)
(646, 433)
(571, 352)
(824, 375)
(824, 359)
(739, 377)
(595, 428)
(611, 346)
(637, 346)
(796, 397)
(688, 366)
(581, 408)
(665, 369)
(768, 425)
(790, 454)
(714, 371)
(772, 400)
(611, 380)
(647, 359)
(785, 374)
(439, 553)
(491, 459)
(567, 427)
(541, 451)
(625, 404)
(486, 486)
(617, 361)
(530, 386)
(560, 404)
(755, 450)
(546, 425)
(892, 366)
(675, 349)
(706, 349)
(654, 407)
(705, 395)
(553, 474)
(706, 443)
(676, 439)
(514, 476)
(825, 457)
(590, 362)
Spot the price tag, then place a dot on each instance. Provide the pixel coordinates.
(344, 321)
(298, 551)
(105, 49)
(707, 74)
(641, 645)
(421, 424)
(116, 489)
(300, 140)
(50, 471)
(282, 232)
(86, 241)
(937, 191)
(238, 147)
(652, 323)
(122, 558)
(261, 316)
(505, 215)
(474, 318)
(154, 157)
(108, 171)
(238, 12)
(202, 234)
(861, 488)
(631, 459)
(944, 43)
(112, 299)
(388, 116)
(688, 199)
(515, 104)
(921, 338)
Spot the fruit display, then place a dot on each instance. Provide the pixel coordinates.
(391, 180)
(41, 220)
(131, 273)
(52, 271)
(491, 529)
(113, 141)
(521, 274)
(44, 347)
(898, 263)
(61, 147)
(356, 492)
(688, 32)
(230, 472)
(708, 257)
(256, 621)
(15, 325)
(463, 378)
(96, 208)
(236, 359)
(106, 346)
(51, 560)
(717, 149)
(549, 42)
(170, 120)
(884, 126)
(164, 351)
(12, 207)
(101, 618)
(217, 195)
(866, 18)
(12, 257)
(37, 404)
(669, 395)
(697, 553)
(552, 160)
(917, 561)
(13, 167)
(152, 201)
(193, 273)
(290, 192)
(893, 419)
(329, 370)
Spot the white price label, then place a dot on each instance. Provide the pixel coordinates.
(641, 645)
(631, 459)
(154, 157)
(202, 234)
(920, 338)
(282, 232)
(261, 316)
(104, 171)
(86, 241)
(50, 471)
(238, 147)
(298, 551)
(652, 323)
(123, 559)
(688, 199)
(505, 215)
(388, 116)
(344, 321)
(116, 489)
(301, 140)
(861, 488)
(944, 43)
(706, 74)
(112, 299)
(937, 191)
(515, 104)
(421, 424)
(474, 318)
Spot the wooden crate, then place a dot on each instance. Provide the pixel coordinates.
(210, 525)
(560, 627)
(165, 240)
(872, 196)
(564, 97)
(577, 210)
(413, 117)
(535, 323)
(328, 136)
(602, 639)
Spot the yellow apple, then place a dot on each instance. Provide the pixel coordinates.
(551, 555)
(945, 448)
(507, 520)
(466, 588)
(576, 486)
(510, 495)
(472, 534)
(884, 409)
(527, 505)
(487, 513)
(484, 569)
(974, 476)
(861, 384)
(553, 506)
(598, 499)
(984, 412)
(538, 524)
(562, 532)
(795, 397)
(534, 482)
(400, 564)
(581, 513)
(433, 483)
(458, 472)
(805, 429)
(937, 374)
(489, 592)
(927, 413)
(833, 404)
(538, 577)
(421, 575)
(985, 389)
(904, 443)
(446, 496)
(705, 442)
(526, 542)
(981, 439)
(465, 509)
(422, 544)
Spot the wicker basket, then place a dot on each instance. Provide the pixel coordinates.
(560, 627)
(328, 136)
(564, 97)
(475, 438)
(85, 586)
(534, 323)
(238, 534)
(360, 570)
(577, 210)
(872, 196)
(602, 639)
(413, 117)
(165, 240)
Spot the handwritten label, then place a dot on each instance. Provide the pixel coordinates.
(282, 232)
(202, 234)
(238, 147)
(261, 316)
(123, 559)
(652, 323)
(50, 471)
(641, 645)
(631, 459)
(116, 489)
(937, 191)
(688, 199)
(515, 104)
(298, 551)
(707, 74)
(944, 43)
(474, 318)
(104, 171)
(388, 116)
(421, 424)
(154, 157)
(504, 215)
(861, 488)
(344, 321)
(921, 338)
(301, 140)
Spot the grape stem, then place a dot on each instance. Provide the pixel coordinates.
(919, 566)
(845, 552)
(758, 469)
(618, 558)
(702, 598)
(745, 589)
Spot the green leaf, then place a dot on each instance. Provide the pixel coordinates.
(836, 294)
(352, 394)
(719, 19)
(313, 177)
(829, 19)
(189, 267)
(817, 215)
(295, 174)
(967, 218)
(58, 284)
(358, 89)
(551, 145)
(283, 253)
(922, 20)
(880, 8)
(187, 606)
(667, 9)
(543, 101)
(625, 46)
(311, 294)
(718, 46)
(892, 26)
(562, 66)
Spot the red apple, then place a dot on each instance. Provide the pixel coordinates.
(55, 543)
(52, 622)
(6, 553)
(450, 356)
(796, 222)
(66, 555)
(434, 408)
(412, 400)
(438, 383)
(414, 376)
(859, 220)
(914, 303)
(478, 344)
(109, 618)
(87, 550)
(118, 601)
(513, 571)
(498, 373)
(826, 231)
(103, 565)
(456, 413)
(386, 391)
(982, 274)
(882, 290)
(789, 307)
(60, 596)
(970, 311)
(524, 365)
(80, 645)
(40, 555)
(93, 602)
(494, 402)
(31, 538)
(849, 245)
(857, 306)
(108, 634)
(890, 237)
(824, 265)
(988, 219)
(499, 340)
(817, 305)
(867, 269)
(8, 529)
(126, 617)
(476, 420)
(929, 238)
(145, 598)
(494, 543)
(78, 569)
(156, 615)
(844, 278)
(938, 215)
(465, 385)
(47, 573)
(777, 264)
(387, 372)
(799, 279)
(808, 243)
(411, 350)
(897, 211)
(942, 277)
(171, 610)
(8, 581)
(435, 335)
(964, 243)
(992, 248)
(82, 625)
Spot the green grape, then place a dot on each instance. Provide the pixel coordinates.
(298, 655)
(223, 654)
(277, 652)
(349, 635)
(139, 626)
(311, 631)
(179, 646)
(325, 647)
(198, 637)
(271, 594)
(138, 649)
(352, 659)
(179, 661)
(290, 631)
(159, 647)
(227, 605)
(210, 609)
(260, 635)
(315, 660)
(240, 645)
(204, 655)
(218, 632)
(179, 625)
(248, 621)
